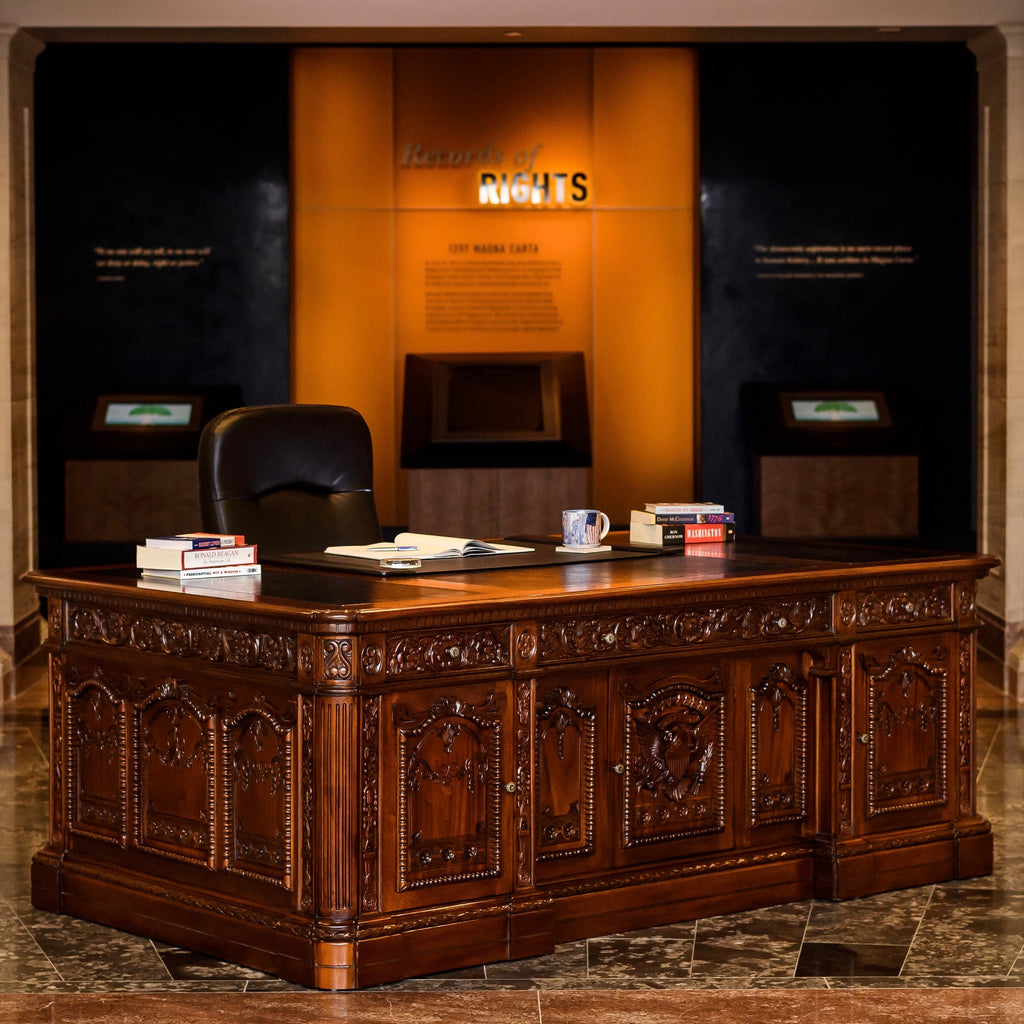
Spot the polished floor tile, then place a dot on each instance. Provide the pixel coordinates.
(756, 944)
(274, 1008)
(791, 1007)
(613, 1006)
(850, 960)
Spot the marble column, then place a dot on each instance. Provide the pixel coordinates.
(20, 622)
(1000, 57)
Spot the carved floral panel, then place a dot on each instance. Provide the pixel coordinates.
(907, 727)
(202, 640)
(564, 780)
(174, 760)
(901, 607)
(778, 741)
(258, 757)
(96, 761)
(414, 654)
(449, 792)
(569, 638)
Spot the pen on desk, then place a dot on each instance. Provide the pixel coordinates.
(394, 547)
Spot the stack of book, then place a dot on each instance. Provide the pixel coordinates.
(673, 523)
(192, 556)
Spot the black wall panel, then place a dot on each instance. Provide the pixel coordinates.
(837, 153)
(162, 234)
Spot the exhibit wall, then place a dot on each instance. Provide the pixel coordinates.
(287, 224)
(161, 242)
(454, 200)
(837, 235)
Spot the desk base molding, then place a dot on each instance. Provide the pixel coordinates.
(387, 948)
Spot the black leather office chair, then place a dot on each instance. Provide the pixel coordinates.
(289, 477)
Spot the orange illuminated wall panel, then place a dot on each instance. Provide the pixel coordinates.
(501, 200)
(343, 244)
(645, 252)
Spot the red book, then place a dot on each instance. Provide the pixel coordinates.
(664, 535)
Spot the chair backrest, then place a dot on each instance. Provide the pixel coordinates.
(289, 477)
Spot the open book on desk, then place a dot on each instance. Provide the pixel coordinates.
(424, 545)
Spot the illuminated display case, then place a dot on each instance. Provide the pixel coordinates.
(833, 462)
(495, 409)
(130, 470)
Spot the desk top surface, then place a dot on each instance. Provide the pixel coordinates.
(325, 593)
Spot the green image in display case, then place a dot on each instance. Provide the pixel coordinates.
(150, 410)
(822, 409)
(835, 406)
(141, 411)
(148, 414)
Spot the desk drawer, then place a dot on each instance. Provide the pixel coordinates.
(428, 653)
(569, 638)
(885, 608)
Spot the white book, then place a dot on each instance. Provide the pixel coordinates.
(424, 545)
(195, 541)
(208, 572)
(666, 507)
(247, 585)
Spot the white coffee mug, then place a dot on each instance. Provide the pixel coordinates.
(583, 528)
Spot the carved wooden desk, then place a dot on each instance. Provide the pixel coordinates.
(346, 780)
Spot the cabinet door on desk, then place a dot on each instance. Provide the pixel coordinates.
(571, 785)
(445, 806)
(904, 712)
(672, 744)
(777, 794)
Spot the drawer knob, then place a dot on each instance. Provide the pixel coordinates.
(609, 639)
(510, 787)
(619, 769)
(454, 651)
(863, 738)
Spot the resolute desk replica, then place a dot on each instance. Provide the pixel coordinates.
(346, 778)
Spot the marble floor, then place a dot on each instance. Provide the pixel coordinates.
(952, 951)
